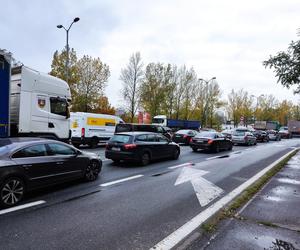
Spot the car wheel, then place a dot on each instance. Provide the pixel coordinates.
(76, 145)
(116, 161)
(230, 147)
(145, 159)
(92, 171)
(176, 154)
(194, 149)
(94, 142)
(217, 148)
(11, 192)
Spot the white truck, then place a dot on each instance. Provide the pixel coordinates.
(90, 129)
(32, 103)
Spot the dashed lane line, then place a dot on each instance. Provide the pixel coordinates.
(12, 209)
(121, 180)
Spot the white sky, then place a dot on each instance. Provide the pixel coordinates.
(226, 39)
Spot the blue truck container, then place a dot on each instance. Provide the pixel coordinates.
(183, 124)
(4, 94)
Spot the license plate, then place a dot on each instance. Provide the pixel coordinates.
(199, 141)
(115, 149)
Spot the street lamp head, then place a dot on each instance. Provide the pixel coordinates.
(76, 19)
(59, 26)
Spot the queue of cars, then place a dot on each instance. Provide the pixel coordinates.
(32, 163)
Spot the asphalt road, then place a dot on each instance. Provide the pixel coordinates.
(132, 213)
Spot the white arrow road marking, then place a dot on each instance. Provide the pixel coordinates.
(205, 190)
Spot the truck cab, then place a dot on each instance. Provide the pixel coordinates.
(32, 103)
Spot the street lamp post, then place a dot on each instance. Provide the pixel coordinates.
(206, 106)
(76, 19)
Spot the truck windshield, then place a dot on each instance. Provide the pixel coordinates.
(158, 120)
(59, 106)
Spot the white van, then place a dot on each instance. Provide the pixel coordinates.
(89, 128)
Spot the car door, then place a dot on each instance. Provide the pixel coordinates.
(72, 165)
(163, 146)
(39, 168)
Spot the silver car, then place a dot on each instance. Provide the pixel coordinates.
(243, 137)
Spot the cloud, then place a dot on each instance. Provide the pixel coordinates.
(226, 39)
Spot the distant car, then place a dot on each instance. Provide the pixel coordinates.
(243, 137)
(31, 163)
(141, 147)
(212, 141)
(228, 133)
(184, 136)
(261, 136)
(284, 133)
(274, 135)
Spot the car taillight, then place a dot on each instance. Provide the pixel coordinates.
(106, 146)
(210, 141)
(185, 136)
(191, 139)
(129, 146)
(82, 132)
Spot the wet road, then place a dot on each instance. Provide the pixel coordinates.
(131, 207)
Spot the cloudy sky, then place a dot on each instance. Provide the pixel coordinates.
(226, 39)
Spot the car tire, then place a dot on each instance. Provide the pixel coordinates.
(11, 192)
(176, 154)
(145, 159)
(94, 142)
(76, 145)
(230, 147)
(217, 149)
(194, 149)
(116, 161)
(92, 171)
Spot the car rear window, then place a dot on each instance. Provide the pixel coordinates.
(182, 132)
(207, 134)
(239, 133)
(120, 138)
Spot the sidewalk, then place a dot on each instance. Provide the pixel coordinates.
(271, 220)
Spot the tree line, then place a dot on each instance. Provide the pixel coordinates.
(175, 91)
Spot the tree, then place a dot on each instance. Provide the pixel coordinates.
(132, 76)
(240, 104)
(58, 68)
(286, 65)
(104, 107)
(93, 75)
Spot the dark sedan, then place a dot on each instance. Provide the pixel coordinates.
(184, 136)
(140, 147)
(31, 163)
(212, 141)
(261, 136)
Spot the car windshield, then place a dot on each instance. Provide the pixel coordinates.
(158, 120)
(207, 134)
(120, 138)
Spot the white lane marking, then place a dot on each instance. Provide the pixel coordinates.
(205, 190)
(12, 209)
(181, 165)
(121, 180)
(177, 236)
(288, 181)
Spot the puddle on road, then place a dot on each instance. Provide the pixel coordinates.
(159, 174)
(282, 245)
